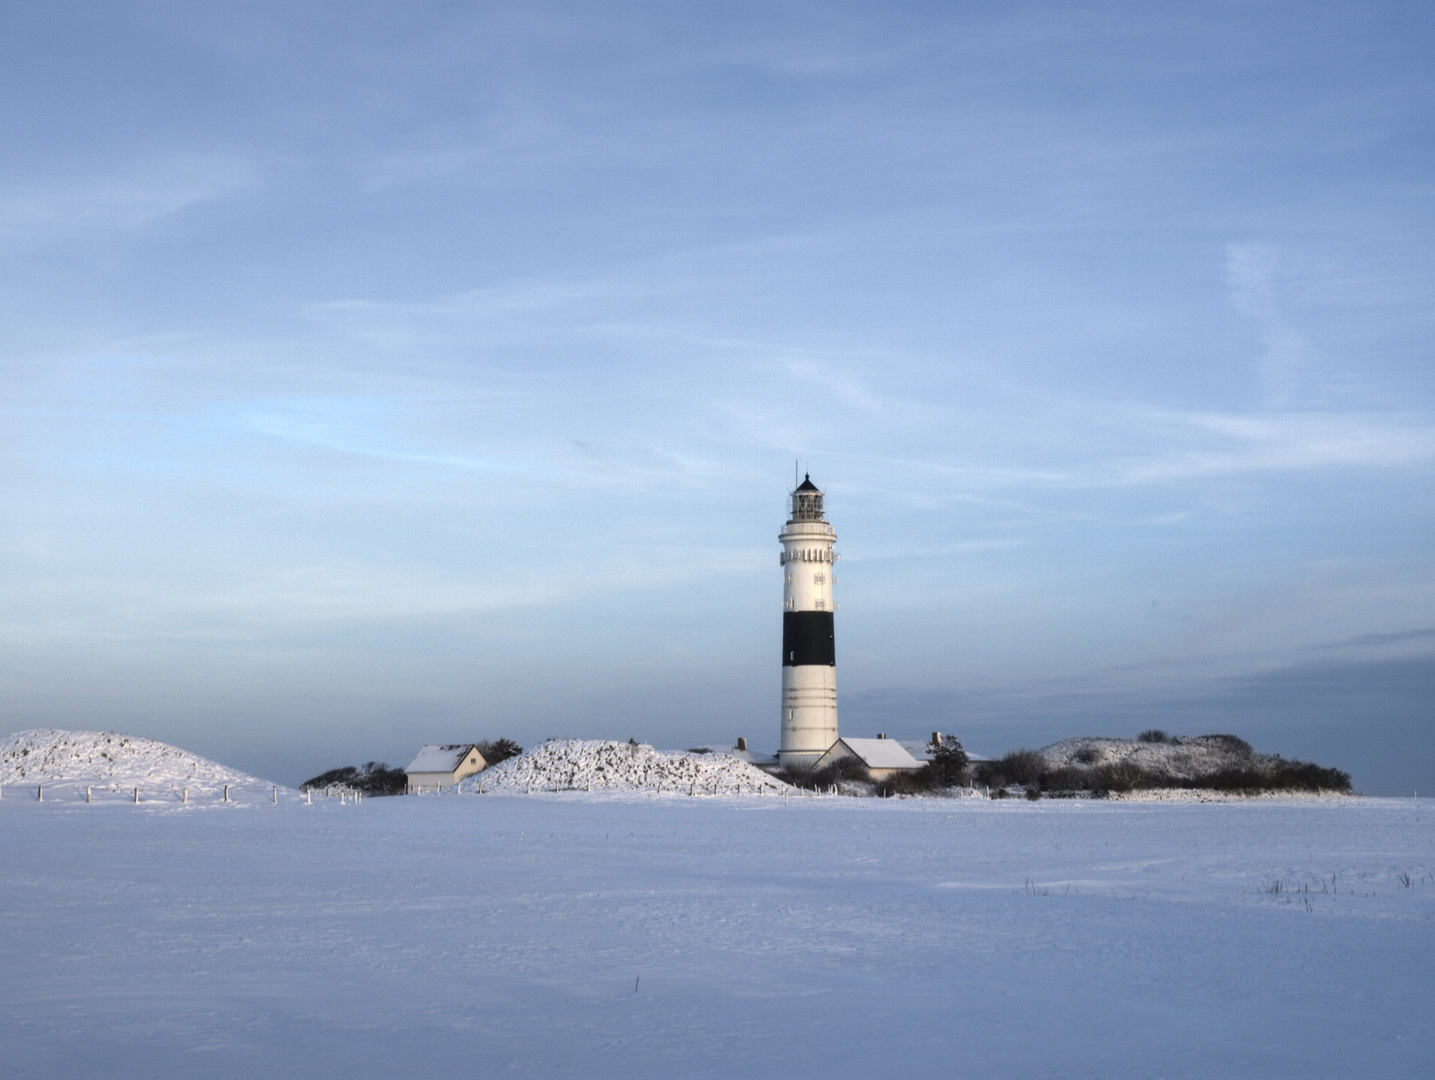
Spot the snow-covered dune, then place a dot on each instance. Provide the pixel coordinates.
(112, 760)
(579, 765)
(1184, 758)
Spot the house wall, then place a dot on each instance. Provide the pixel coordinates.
(431, 781)
(437, 781)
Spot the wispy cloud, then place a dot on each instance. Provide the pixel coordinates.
(130, 198)
(364, 427)
(1279, 442)
(1251, 272)
(1398, 637)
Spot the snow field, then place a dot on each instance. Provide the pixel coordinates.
(586, 936)
(579, 765)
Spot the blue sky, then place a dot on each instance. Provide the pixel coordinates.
(379, 374)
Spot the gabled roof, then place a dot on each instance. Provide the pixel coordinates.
(918, 748)
(880, 753)
(806, 485)
(441, 759)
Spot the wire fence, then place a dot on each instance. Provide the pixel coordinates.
(106, 791)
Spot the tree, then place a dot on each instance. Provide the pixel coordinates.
(948, 766)
(498, 750)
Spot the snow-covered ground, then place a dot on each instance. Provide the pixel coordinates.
(578, 765)
(662, 935)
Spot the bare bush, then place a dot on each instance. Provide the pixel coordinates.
(805, 776)
(1020, 767)
(1277, 774)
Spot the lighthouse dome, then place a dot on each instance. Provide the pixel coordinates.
(807, 501)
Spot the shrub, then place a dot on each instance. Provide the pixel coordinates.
(805, 776)
(375, 778)
(1154, 735)
(1232, 743)
(1249, 773)
(845, 768)
(1277, 774)
(796, 775)
(1124, 776)
(331, 778)
(929, 777)
(498, 750)
(904, 782)
(1021, 767)
(1068, 778)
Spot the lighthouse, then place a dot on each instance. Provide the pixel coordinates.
(809, 657)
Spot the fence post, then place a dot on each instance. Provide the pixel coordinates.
(137, 794)
(39, 792)
(184, 795)
(275, 792)
(87, 793)
(226, 792)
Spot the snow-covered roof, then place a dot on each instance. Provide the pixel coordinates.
(881, 753)
(439, 759)
(752, 757)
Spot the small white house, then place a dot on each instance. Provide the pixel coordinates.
(881, 756)
(438, 767)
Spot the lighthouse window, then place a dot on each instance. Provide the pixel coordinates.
(821, 604)
(819, 578)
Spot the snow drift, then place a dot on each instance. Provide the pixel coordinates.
(51, 756)
(579, 765)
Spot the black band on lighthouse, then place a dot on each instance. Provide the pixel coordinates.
(807, 639)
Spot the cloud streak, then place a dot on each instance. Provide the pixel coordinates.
(131, 199)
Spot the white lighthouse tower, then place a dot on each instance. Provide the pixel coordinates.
(809, 658)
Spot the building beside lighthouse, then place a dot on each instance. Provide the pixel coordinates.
(809, 655)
